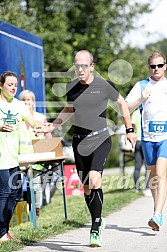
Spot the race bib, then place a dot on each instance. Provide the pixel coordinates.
(158, 126)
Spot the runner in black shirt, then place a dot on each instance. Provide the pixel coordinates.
(87, 98)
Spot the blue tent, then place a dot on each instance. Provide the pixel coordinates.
(22, 52)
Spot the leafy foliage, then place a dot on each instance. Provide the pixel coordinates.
(68, 26)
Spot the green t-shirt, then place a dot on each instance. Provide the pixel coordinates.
(11, 113)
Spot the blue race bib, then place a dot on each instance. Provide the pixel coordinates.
(158, 126)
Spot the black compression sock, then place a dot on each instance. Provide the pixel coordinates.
(95, 207)
(87, 200)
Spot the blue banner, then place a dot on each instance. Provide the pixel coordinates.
(22, 52)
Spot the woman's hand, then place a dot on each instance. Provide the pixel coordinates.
(6, 128)
(45, 128)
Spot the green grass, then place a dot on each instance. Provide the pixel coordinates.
(52, 222)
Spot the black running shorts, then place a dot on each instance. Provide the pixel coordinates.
(90, 154)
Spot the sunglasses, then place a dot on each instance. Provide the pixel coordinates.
(83, 66)
(154, 66)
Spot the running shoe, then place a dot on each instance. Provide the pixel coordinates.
(156, 221)
(95, 239)
(96, 236)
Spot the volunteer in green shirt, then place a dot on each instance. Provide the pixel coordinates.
(12, 112)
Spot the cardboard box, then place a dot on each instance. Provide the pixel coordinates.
(48, 145)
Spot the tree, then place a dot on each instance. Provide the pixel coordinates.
(100, 26)
(68, 26)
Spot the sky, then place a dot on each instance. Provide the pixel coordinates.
(154, 23)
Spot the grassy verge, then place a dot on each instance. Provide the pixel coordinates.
(52, 222)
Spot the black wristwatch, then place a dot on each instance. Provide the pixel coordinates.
(130, 130)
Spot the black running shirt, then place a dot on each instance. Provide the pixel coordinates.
(90, 104)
